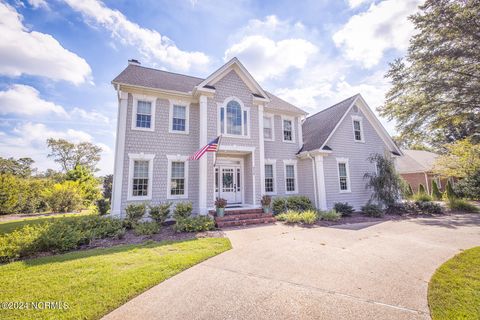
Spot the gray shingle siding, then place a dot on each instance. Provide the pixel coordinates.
(343, 146)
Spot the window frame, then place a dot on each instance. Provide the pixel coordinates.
(179, 103)
(295, 172)
(272, 121)
(132, 157)
(292, 120)
(177, 158)
(273, 163)
(246, 127)
(347, 169)
(136, 99)
(362, 132)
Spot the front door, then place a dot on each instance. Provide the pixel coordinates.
(230, 184)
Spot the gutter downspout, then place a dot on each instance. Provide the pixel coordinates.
(314, 179)
(426, 182)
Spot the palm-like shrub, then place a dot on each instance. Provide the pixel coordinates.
(421, 189)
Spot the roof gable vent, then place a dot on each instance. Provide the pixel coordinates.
(355, 108)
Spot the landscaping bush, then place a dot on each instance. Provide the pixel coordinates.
(194, 224)
(103, 206)
(407, 190)
(469, 187)
(331, 215)
(449, 193)
(462, 205)
(294, 203)
(135, 212)
(161, 212)
(64, 197)
(146, 228)
(182, 210)
(422, 197)
(428, 207)
(305, 217)
(402, 208)
(421, 189)
(372, 210)
(344, 208)
(436, 194)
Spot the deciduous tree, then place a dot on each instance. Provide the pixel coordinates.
(69, 155)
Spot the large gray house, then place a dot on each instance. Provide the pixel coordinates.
(268, 146)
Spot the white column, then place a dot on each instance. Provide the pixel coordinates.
(261, 143)
(119, 154)
(300, 132)
(322, 192)
(203, 162)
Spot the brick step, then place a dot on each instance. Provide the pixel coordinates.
(239, 211)
(235, 223)
(243, 216)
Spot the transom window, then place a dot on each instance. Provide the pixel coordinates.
(179, 118)
(140, 178)
(268, 128)
(269, 179)
(144, 114)
(343, 176)
(177, 182)
(234, 119)
(287, 130)
(290, 177)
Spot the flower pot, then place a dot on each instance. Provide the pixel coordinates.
(220, 212)
(267, 209)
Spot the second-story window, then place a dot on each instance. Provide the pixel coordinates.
(234, 119)
(144, 114)
(179, 118)
(287, 130)
(268, 128)
(357, 129)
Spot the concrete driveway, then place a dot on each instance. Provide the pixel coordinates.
(361, 271)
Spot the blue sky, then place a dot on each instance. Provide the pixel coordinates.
(57, 58)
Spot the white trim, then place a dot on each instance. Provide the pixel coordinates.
(300, 132)
(243, 108)
(261, 147)
(227, 147)
(242, 171)
(426, 183)
(292, 120)
(347, 167)
(362, 133)
(177, 158)
(272, 121)
(294, 163)
(119, 153)
(179, 103)
(273, 163)
(203, 162)
(132, 157)
(153, 101)
(320, 175)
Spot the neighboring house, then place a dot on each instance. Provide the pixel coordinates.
(416, 167)
(165, 117)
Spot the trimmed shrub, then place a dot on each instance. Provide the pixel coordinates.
(428, 207)
(422, 197)
(421, 189)
(64, 197)
(436, 194)
(135, 212)
(402, 208)
(449, 194)
(344, 208)
(194, 224)
(294, 203)
(305, 217)
(103, 206)
(462, 205)
(182, 210)
(331, 215)
(161, 212)
(372, 210)
(146, 228)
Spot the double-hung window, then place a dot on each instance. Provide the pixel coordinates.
(343, 178)
(234, 119)
(177, 183)
(143, 113)
(357, 129)
(140, 176)
(269, 178)
(290, 177)
(179, 117)
(268, 128)
(287, 130)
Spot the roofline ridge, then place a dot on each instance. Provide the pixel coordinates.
(171, 72)
(331, 106)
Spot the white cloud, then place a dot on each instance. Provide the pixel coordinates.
(367, 35)
(29, 52)
(25, 100)
(271, 47)
(150, 43)
(356, 3)
(38, 4)
(89, 115)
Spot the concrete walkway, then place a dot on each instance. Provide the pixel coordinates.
(361, 271)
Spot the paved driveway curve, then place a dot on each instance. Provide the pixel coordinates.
(361, 271)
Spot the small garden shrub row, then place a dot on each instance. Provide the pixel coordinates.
(194, 224)
(372, 210)
(462, 205)
(294, 203)
(58, 235)
(304, 217)
(331, 215)
(344, 208)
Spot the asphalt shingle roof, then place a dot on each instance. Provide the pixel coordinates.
(416, 161)
(318, 127)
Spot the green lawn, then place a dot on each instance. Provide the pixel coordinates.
(97, 281)
(10, 225)
(454, 290)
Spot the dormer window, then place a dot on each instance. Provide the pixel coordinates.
(234, 118)
(357, 129)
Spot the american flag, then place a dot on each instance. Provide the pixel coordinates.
(212, 146)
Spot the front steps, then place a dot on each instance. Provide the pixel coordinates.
(242, 217)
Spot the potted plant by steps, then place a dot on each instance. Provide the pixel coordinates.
(266, 201)
(220, 205)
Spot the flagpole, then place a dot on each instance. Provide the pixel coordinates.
(215, 164)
